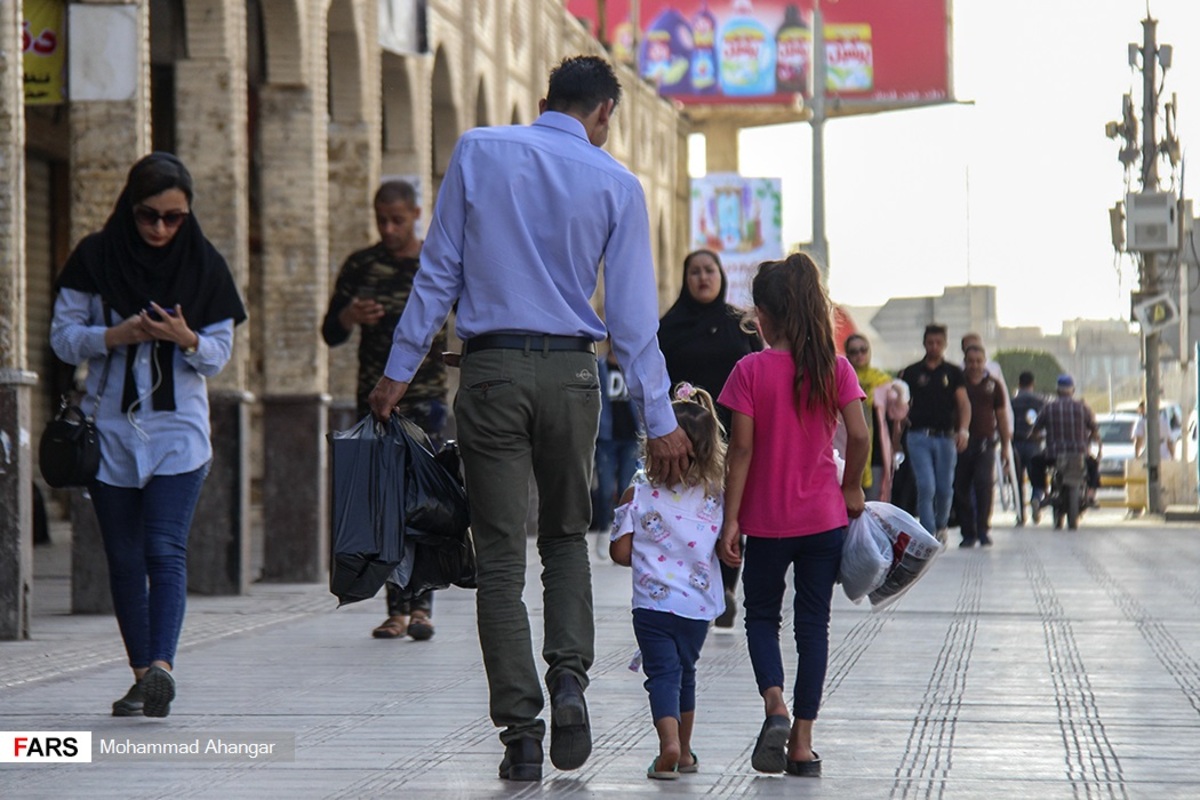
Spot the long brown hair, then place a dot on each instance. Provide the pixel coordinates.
(790, 292)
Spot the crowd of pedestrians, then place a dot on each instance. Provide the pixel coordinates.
(705, 443)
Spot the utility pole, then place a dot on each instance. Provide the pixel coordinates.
(1149, 262)
(820, 244)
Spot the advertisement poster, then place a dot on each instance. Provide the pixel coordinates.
(760, 51)
(740, 220)
(44, 51)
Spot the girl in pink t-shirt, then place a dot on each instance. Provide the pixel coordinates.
(782, 494)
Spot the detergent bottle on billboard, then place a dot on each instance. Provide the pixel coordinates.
(666, 53)
(746, 53)
(704, 51)
(793, 47)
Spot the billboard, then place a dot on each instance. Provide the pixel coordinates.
(43, 49)
(739, 219)
(878, 52)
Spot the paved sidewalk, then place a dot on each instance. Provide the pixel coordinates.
(1053, 665)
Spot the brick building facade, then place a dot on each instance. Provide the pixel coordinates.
(287, 113)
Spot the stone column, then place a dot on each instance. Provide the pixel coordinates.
(110, 130)
(295, 279)
(211, 136)
(16, 538)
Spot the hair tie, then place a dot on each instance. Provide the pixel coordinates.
(684, 391)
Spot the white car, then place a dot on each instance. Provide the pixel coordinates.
(1116, 436)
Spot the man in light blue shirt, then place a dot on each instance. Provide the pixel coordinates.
(524, 218)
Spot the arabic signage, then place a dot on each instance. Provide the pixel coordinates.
(44, 51)
(738, 219)
(737, 51)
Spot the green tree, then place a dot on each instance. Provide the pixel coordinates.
(1043, 365)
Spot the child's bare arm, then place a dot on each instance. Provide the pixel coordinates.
(621, 551)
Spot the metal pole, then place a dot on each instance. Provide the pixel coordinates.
(820, 245)
(1149, 265)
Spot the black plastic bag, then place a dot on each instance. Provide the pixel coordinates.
(398, 513)
(367, 508)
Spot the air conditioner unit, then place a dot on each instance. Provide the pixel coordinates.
(1151, 222)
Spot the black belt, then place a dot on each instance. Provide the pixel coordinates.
(536, 342)
(934, 432)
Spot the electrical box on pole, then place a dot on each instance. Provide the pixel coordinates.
(1151, 222)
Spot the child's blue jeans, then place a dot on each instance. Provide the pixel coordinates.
(670, 649)
(815, 560)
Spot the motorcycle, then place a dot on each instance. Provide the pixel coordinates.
(1068, 487)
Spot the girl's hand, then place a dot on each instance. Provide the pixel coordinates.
(170, 326)
(855, 500)
(729, 547)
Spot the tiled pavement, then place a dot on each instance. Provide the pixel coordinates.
(1053, 665)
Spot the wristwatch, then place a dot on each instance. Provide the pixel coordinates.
(191, 351)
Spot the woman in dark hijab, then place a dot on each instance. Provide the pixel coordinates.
(149, 300)
(702, 337)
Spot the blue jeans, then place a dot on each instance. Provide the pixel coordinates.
(814, 560)
(145, 535)
(670, 649)
(933, 459)
(616, 461)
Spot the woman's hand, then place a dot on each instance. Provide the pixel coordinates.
(128, 331)
(729, 547)
(170, 326)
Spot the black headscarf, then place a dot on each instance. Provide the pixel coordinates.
(117, 264)
(702, 341)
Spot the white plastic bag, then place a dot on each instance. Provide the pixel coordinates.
(913, 550)
(866, 558)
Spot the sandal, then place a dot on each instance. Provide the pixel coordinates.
(392, 628)
(420, 627)
(692, 767)
(656, 774)
(805, 769)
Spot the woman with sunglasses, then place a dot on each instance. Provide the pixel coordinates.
(150, 305)
(876, 384)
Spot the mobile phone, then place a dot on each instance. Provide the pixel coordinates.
(154, 314)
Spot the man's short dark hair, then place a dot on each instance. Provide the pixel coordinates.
(580, 83)
(396, 192)
(934, 330)
(1025, 380)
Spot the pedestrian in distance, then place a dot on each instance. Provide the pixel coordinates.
(975, 470)
(782, 492)
(370, 293)
(1026, 405)
(876, 384)
(668, 534)
(524, 218)
(938, 424)
(150, 302)
(702, 336)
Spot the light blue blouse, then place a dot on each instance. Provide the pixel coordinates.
(138, 445)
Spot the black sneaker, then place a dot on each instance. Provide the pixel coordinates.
(570, 730)
(730, 612)
(131, 704)
(158, 690)
(522, 760)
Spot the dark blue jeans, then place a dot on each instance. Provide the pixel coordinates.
(145, 535)
(616, 461)
(814, 560)
(670, 649)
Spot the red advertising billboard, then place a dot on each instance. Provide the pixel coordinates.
(878, 52)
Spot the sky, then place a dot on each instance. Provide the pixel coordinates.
(1012, 190)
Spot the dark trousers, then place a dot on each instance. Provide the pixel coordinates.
(974, 482)
(145, 534)
(670, 648)
(814, 560)
(1025, 451)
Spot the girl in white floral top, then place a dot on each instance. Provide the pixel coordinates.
(669, 536)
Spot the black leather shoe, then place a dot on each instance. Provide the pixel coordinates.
(131, 704)
(570, 730)
(522, 760)
(158, 690)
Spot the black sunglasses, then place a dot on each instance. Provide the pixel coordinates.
(149, 217)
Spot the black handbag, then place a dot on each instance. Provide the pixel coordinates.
(69, 451)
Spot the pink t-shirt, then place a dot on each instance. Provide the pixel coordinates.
(792, 487)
